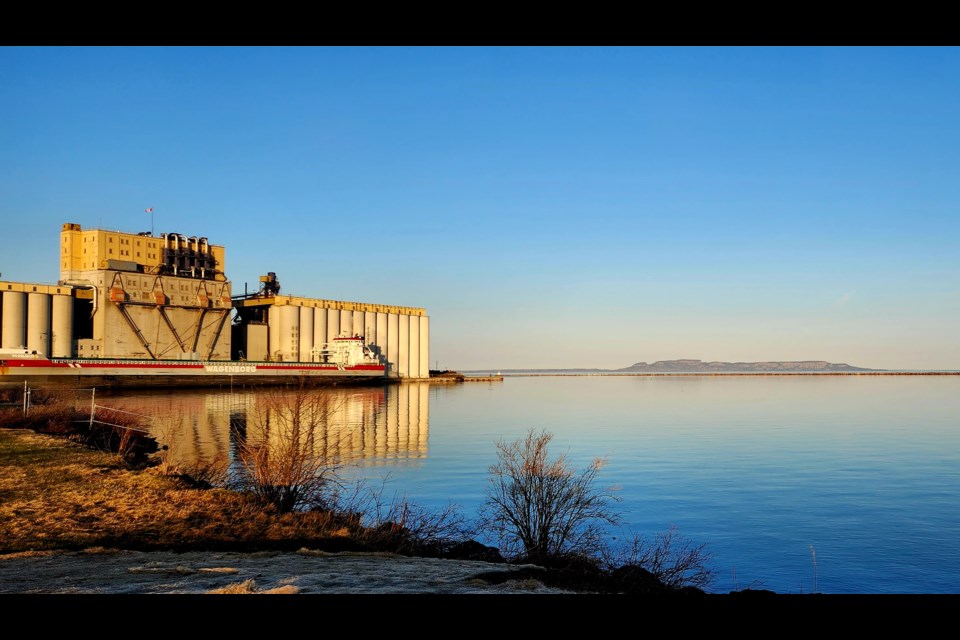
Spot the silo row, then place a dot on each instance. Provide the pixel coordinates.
(401, 340)
(36, 321)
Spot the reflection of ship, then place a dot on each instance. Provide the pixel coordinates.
(143, 310)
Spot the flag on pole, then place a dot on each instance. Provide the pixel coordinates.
(150, 210)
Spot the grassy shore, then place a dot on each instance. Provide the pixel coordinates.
(57, 494)
(75, 487)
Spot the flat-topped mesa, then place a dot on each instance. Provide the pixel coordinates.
(699, 366)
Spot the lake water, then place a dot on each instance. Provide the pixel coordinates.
(862, 471)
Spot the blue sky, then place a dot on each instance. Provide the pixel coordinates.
(549, 207)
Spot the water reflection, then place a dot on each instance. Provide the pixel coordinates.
(863, 469)
(376, 426)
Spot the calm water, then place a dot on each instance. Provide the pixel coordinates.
(865, 471)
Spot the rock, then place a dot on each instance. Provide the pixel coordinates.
(473, 550)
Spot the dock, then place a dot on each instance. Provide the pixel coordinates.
(455, 377)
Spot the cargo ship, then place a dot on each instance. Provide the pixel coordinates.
(346, 359)
(145, 310)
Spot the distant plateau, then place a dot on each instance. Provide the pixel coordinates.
(699, 366)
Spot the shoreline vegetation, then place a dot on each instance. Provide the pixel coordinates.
(71, 482)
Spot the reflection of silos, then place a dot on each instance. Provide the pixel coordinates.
(290, 332)
(403, 418)
(393, 412)
(203, 427)
(403, 348)
(306, 333)
(355, 407)
(414, 419)
(393, 342)
(346, 321)
(423, 406)
(38, 323)
(333, 324)
(61, 344)
(380, 429)
(414, 366)
(419, 418)
(424, 347)
(14, 331)
(273, 321)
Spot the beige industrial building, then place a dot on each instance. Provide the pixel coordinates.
(167, 297)
(290, 328)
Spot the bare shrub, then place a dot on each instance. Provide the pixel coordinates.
(126, 440)
(44, 397)
(671, 558)
(121, 432)
(407, 527)
(112, 430)
(542, 509)
(49, 419)
(290, 458)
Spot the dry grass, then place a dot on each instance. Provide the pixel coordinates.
(247, 586)
(250, 586)
(55, 494)
(115, 431)
(282, 590)
(58, 495)
(26, 554)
